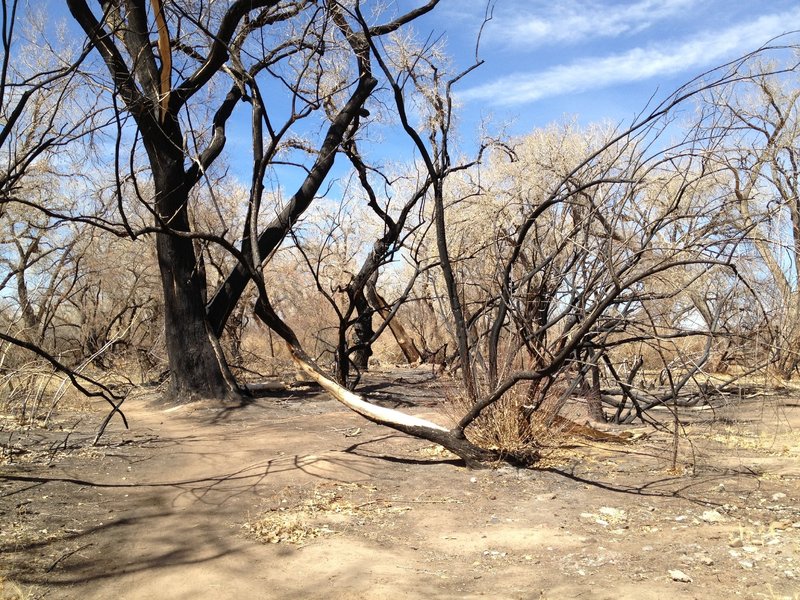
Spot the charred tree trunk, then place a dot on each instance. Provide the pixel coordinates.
(594, 404)
(145, 87)
(362, 332)
(195, 370)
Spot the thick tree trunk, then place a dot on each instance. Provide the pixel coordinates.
(195, 370)
(362, 332)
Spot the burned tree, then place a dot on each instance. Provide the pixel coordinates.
(295, 44)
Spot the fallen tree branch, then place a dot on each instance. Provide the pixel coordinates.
(453, 440)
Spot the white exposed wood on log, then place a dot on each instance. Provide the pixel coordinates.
(361, 406)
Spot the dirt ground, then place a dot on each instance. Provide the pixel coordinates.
(292, 496)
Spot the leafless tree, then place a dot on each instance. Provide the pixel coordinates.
(305, 48)
(759, 160)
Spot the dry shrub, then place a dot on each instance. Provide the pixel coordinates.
(509, 427)
(386, 351)
(28, 390)
(262, 354)
(10, 590)
(501, 427)
(33, 393)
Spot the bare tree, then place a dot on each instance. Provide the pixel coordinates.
(40, 233)
(298, 44)
(759, 158)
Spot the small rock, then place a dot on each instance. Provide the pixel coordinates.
(789, 574)
(712, 516)
(705, 560)
(680, 518)
(778, 496)
(746, 564)
(679, 576)
(736, 543)
(473, 480)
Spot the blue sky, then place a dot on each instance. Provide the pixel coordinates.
(590, 60)
(595, 59)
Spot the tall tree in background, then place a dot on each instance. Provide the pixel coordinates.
(760, 161)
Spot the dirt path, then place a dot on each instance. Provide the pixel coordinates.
(173, 509)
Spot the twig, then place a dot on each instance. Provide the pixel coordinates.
(67, 555)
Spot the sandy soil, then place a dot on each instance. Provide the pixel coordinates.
(292, 496)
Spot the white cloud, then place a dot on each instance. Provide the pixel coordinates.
(570, 22)
(703, 50)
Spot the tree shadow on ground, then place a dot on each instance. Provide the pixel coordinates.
(679, 486)
(357, 449)
(166, 524)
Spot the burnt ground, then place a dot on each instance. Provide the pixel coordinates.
(292, 496)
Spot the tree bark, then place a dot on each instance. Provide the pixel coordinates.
(195, 370)
(594, 404)
(362, 332)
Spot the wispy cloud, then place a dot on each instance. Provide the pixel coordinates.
(704, 49)
(571, 22)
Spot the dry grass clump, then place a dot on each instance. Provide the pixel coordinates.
(502, 426)
(11, 591)
(301, 515)
(543, 436)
